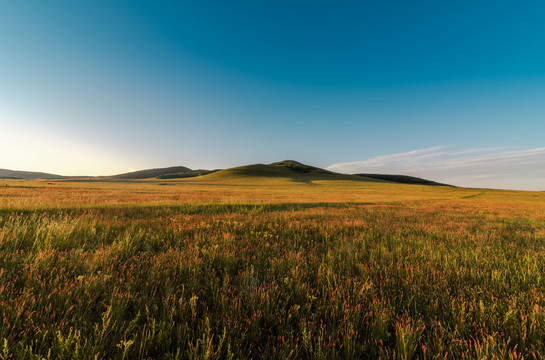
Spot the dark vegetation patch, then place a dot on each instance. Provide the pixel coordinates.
(402, 179)
(300, 168)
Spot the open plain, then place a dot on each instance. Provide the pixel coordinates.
(230, 267)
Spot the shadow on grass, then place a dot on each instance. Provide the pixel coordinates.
(189, 209)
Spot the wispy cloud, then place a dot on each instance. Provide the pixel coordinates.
(485, 167)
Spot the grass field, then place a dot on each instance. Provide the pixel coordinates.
(241, 267)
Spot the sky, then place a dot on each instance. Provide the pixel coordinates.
(450, 91)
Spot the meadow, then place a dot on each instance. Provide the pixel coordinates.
(269, 269)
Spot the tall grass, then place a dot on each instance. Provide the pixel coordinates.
(427, 279)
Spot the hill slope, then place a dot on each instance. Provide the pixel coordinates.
(186, 174)
(151, 173)
(300, 168)
(402, 179)
(27, 175)
(288, 169)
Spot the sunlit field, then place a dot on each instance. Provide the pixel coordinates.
(269, 269)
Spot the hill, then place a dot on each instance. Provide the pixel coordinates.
(297, 171)
(27, 175)
(288, 169)
(402, 179)
(300, 168)
(186, 174)
(152, 173)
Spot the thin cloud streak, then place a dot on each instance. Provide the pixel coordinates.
(487, 167)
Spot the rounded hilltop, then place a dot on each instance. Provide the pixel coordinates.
(288, 169)
(299, 167)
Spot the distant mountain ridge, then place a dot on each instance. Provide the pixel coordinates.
(151, 173)
(27, 175)
(286, 168)
(173, 172)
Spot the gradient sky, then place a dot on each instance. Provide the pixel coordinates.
(453, 91)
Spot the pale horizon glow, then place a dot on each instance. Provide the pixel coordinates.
(27, 146)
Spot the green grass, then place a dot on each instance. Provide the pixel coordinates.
(440, 277)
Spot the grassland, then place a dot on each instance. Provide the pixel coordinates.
(231, 266)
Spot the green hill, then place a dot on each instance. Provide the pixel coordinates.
(300, 168)
(186, 174)
(402, 179)
(288, 169)
(152, 173)
(27, 175)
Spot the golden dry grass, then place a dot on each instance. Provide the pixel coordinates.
(256, 268)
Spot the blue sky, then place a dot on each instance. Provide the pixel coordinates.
(102, 87)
